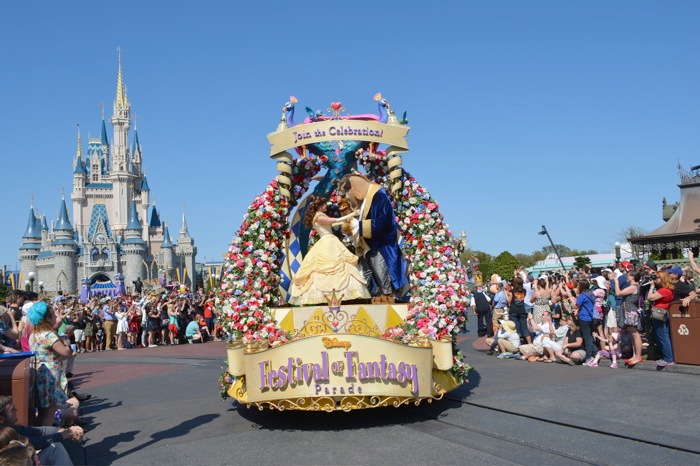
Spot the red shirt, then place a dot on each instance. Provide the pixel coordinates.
(666, 297)
(207, 310)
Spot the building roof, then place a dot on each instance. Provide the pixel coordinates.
(99, 185)
(683, 224)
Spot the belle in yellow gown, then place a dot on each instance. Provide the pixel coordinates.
(328, 266)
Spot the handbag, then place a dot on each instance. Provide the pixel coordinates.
(658, 313)
(611, 319)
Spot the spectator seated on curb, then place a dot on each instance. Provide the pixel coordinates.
(506, 339)
(554, 346)
(206, 336)
(46, 439)
(192, 333)
(534, 351)
(610, 349)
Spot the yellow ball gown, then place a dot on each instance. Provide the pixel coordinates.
(327, 266)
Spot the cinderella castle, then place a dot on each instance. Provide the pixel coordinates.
(113, 239)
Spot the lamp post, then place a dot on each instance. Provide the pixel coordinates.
(26, 285)
(31, 281)
(41, 287)
(618, 255)
(545, 232)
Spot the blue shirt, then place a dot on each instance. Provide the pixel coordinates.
(500, 300)
(191, 329)
(586, 304)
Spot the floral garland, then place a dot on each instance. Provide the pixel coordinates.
(439, 295)
(250, 283)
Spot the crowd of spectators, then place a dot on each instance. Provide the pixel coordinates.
(617, 313)
(59, 329)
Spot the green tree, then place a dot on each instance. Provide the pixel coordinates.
(504, 264)
(580, 261)
(526, 260)
(485, 264)
(4, 291)
(561, 249)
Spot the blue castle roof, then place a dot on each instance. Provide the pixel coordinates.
(155, 219)
(167, 243)
(134, 223)
(63, 220)
(33, 226)
(80, 166)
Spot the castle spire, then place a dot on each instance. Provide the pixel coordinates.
(79, 165)
(167, 242)
(33, 227)
(183, 230)
(122, 100)
(63, 220)
(103, 136)
(79, 153)
(134, 223)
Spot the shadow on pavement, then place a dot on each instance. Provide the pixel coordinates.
(103, 449)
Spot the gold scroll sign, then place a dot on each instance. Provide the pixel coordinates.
(393, 135)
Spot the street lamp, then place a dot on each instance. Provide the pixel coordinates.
(545, 232)
(41, 287)
(617, 251)
(26, 285)
(31, 281)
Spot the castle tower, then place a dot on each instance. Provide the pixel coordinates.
(187, 251)
(64, 249)
(167, 253)
(80, 178)
(145, 202)
(121, 178)
(31, 244)
(133, 247)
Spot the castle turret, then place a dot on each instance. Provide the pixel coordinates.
(145, 202)
(31, 245)
(133, 247)
(168, 253)
(186, 251)
(45, 243)
(80, 179)
(64, 250)
(121, 178)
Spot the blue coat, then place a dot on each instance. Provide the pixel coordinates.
(380, 232)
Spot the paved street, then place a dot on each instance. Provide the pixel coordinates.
(160, 405)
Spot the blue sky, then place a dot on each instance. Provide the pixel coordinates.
(569, 114)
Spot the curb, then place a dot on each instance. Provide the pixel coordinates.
(480, 346)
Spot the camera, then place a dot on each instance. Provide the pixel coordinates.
(647, 279)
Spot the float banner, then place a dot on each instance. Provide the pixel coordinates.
(338, 365)
(338, 130)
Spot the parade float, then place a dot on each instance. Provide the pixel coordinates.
(342, 354)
